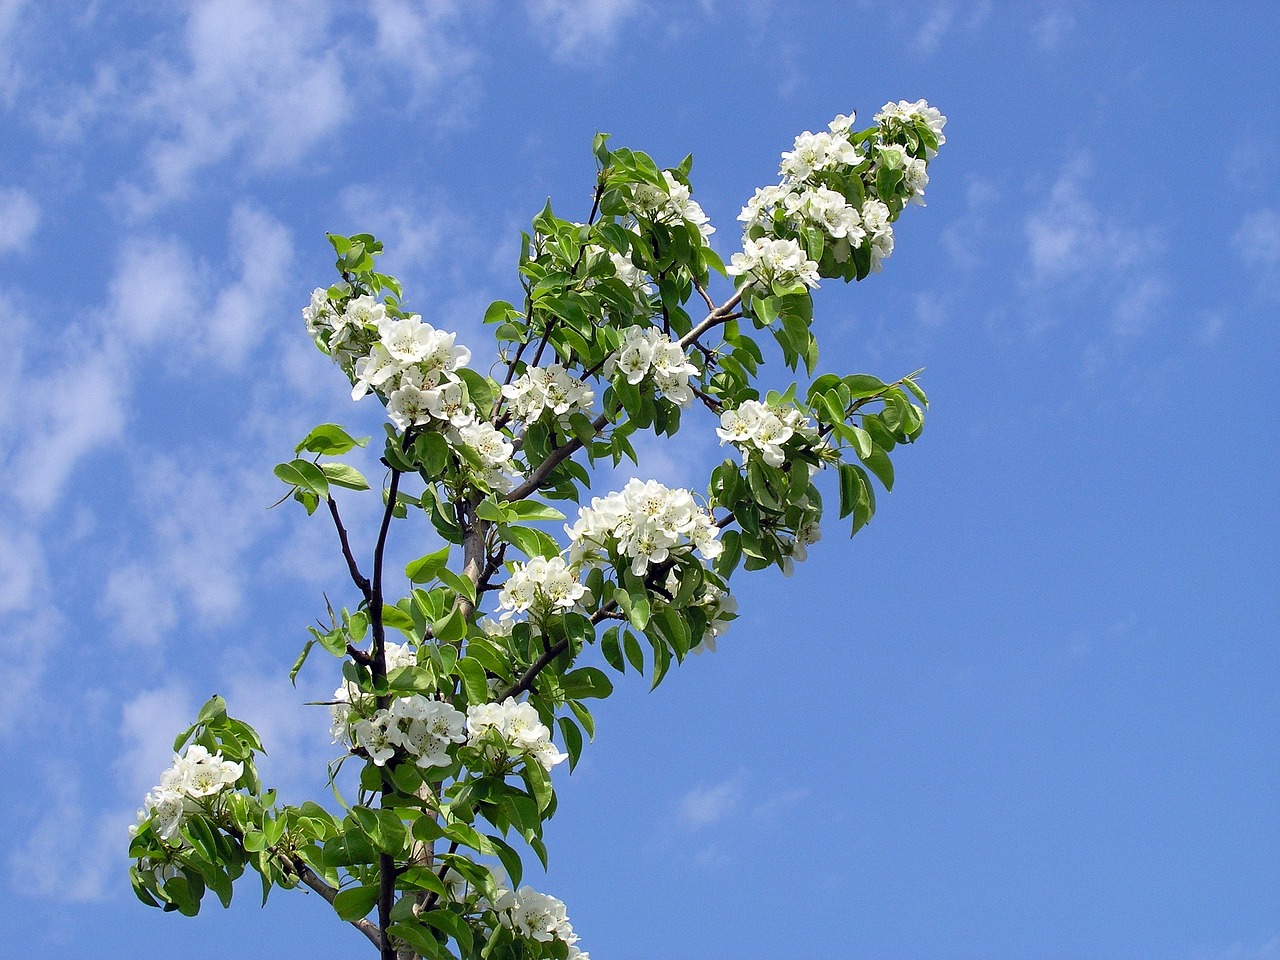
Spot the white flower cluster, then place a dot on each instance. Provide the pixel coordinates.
(518, 726)
(624, 269)
(552, 388)
(349, 701)
(770, 261)
(414, 367)
(764, 428)
(904, 113)
(815, 152)
(648, 352)
(543, 585)
(537, 916)
(646, 522)
(804, 198)
(817, 206)
(672, 206)
(809, 533)
(721, 608)
(194, 776)
(421, 727)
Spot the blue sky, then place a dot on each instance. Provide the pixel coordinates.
(1030, 712)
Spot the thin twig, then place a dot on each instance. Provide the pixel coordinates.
(359, 579)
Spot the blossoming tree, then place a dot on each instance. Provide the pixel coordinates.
(460, 725)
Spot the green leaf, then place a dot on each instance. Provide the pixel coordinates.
(425, 569)
(639, 612)
(215, 708)
(305, 475)
(302, 658)
(539, 783)
(532, 510)
(450, 629)
(354, 903)
(474, 680)
(587, 682)
(343, 475)
(329, 439)
(878, 463)
(861, 442)
(461, 585)
(611, 650)
(635, 656)
(397, 618)
(452, 925)
(421, 940)
(510, 859)
(862, 385)
(432, 451)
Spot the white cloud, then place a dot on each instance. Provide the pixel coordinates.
(705, 805)
(1258, 238)
(144, 608)
(421, 41)
(204, 521)
(10, 18)
(414, 238)
(19, 217)
(966, 237)
(1052, 28)
(929, 37)
(153, 292)
(161, 293)
(241, 313)
(1070, 237)
(71, 854)
(581, 28)
(148, 725)
(295, 734)
(71, 412)
(259, 80)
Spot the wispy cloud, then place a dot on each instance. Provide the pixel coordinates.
(258, 80)
(581, 28)
(1051, 29)
(708, 804)
(20, 215)
(1076, 249)
(1257, 243)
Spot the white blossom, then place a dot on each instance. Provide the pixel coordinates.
(764, 429)
(648, 353)
(543, 585)
(553, 388)
(646, 522)
(903, 112)
(767, 261)
(194, 777)
(536, 916)
(518, 726)
(672, 206)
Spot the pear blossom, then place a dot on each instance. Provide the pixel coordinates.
(518, 726)
(767, 261)
(543, 585)
(195, 777)
(553, 388)
(536, 916)
(648, 353)
(646, 523)
(672, 206)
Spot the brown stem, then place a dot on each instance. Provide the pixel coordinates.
(359, 579)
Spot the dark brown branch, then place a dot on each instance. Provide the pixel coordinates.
(557, 456)
(359, 579)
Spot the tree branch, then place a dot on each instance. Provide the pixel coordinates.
(359, 579)
(716, 317)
